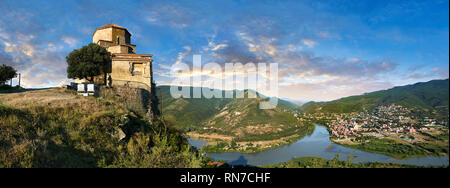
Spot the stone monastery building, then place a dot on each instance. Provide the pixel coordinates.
(127, 68)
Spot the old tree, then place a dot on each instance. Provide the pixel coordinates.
(6, 73)
(88, 62)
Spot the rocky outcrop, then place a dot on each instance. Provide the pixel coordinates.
(136, 99)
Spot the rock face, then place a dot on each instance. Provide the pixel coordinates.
(153, 104)
(137, 99)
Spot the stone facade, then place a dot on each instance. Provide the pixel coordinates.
(127, 68)
(130, 74)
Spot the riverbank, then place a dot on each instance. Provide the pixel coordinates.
(222, 143)
(397, 150)
(432, 141)
(423, 144)
(317, 144)
(316, 162)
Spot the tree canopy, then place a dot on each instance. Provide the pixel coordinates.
(88, 62)
(6, 73)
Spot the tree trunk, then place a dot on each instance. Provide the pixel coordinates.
(90, 80)
(104, 78)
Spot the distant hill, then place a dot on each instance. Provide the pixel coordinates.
(298, 103)
(229, 116)
(430, 96)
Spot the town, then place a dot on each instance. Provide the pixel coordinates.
(391, 120)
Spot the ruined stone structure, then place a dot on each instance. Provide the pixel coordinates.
(127, 69)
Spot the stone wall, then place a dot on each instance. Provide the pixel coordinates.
(122, 49)
(121, 74)
(138, 100)
(120, 34)
(112, 34)
(133, 98)
(103, 34)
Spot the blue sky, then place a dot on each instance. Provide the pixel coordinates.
(325, 49)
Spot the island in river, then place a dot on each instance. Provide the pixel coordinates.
(315, 145)
(222, 143)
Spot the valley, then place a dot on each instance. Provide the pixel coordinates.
(234, 124)
(233, 130)
(414, 124)
(402, 122)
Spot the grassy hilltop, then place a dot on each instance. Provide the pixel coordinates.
(57, 128)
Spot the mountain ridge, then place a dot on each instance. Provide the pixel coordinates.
(236, 118)
(430, 96)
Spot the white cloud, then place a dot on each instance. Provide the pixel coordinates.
(39, 62)
(442, 73)
(219, 46)
(309, 43)
(71, 41)
(354, 60)
(23, 48)
(167, 14)
(182, 55)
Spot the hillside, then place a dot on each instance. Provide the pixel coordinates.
(315, 162)
(429, 96)
(57, 128)
(406, 121)
(228, 119)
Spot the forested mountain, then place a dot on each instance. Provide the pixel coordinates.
(428, 96)
(227, 116)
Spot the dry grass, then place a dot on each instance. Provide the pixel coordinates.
(57, 128)
(58, 98)
(54, 97)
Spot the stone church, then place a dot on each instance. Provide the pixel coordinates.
(127, 67)
(130, 74)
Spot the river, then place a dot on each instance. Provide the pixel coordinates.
(315, 145)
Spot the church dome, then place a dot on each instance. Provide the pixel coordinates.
(110, 26)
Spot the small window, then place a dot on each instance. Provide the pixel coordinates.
(137, 69)
(118, 40)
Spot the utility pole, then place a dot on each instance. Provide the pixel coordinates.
(19, 79)
(162, 100)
